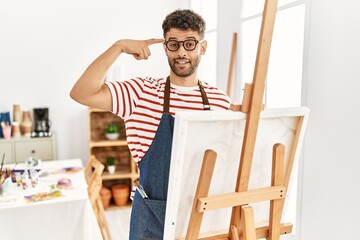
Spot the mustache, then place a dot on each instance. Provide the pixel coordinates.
(181, 58)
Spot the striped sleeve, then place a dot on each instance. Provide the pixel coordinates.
(125, 95)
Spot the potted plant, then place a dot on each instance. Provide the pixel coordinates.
(120, 193)
(112, 131)
(110, 162)
(105, 195)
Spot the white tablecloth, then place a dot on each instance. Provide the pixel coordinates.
(65, 218)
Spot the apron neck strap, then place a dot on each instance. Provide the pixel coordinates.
(167, 96)
(204, 97)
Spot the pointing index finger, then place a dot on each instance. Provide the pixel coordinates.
(154, 40)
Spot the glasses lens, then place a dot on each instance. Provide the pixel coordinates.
(190, 45)
(172, 45)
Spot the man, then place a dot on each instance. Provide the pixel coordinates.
(148, 105)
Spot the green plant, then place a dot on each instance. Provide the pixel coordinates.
(110, 161)
(112, 128)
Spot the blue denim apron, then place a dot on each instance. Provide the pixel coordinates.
(148, 214)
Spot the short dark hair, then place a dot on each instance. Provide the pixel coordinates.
(184, 20)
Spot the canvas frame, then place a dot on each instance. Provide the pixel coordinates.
(196, 131)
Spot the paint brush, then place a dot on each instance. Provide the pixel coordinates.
(2, 163)
(14, 165)
(140, 189)
(1, 173)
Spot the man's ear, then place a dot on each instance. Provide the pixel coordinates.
(203, 47)
(165, 49)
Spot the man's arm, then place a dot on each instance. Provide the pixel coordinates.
(90, 89)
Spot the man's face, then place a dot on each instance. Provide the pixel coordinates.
(183, 62)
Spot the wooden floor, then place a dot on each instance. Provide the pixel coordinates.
(118, 221)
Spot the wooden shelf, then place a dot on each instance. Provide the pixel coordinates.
(91, 110)
(119, 175)
(107, 143)
(102, 148)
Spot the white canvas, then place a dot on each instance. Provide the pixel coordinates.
(222, 131)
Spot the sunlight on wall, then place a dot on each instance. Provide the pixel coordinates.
(283, 84)
(207, 69)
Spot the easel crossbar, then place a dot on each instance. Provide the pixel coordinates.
(240, 198)
(261, 232)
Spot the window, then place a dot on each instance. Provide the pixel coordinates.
(284, 76)
(283, 84)
(208, 10)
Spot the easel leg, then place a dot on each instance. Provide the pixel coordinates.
(102, 219)
(256, 98)
(247, 223)
(276, 206)
(234, 232)
(202, 190)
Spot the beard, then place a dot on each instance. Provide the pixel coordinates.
(184, 72)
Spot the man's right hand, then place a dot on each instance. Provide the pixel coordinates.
(90, 89)
(138, 48)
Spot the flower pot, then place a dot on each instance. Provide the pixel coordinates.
(111, 169)
(105, 195)
(112, 136)
(121, 194)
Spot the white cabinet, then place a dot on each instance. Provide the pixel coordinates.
(20, 149)
(6, 148)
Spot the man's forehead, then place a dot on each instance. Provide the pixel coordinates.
(175, 33)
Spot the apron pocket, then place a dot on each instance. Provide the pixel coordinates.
(151, 219)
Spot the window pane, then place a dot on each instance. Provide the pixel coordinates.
(285, 67)
(283, 84)
(208, 10)
(249, 42)
(253, 7)
(284, 2)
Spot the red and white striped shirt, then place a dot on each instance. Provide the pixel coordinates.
(140, 101)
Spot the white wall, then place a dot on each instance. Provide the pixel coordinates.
(330, 195)
(46, 45)
(331, 170)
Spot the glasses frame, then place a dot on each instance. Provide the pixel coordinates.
(183, 44)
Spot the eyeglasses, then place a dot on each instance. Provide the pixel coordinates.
(189, 45)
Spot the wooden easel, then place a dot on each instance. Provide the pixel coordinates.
(232, 63)
(242, 224)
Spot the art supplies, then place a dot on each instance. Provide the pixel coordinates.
(6, 130)
(140, 189)
(4, 174)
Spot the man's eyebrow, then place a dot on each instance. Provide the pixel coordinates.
(174, 38)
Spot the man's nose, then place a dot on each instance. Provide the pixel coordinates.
(181, 51)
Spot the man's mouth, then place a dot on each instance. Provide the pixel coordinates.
(182, 61)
